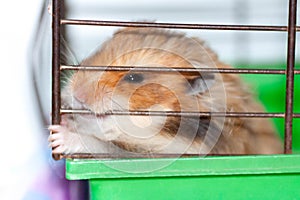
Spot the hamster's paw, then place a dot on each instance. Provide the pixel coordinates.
(63, 141)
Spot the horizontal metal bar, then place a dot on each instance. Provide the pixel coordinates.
(177, 69)
(182, 113)
(174, 25)
(139, 155)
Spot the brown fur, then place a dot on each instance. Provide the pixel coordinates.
(159, 48)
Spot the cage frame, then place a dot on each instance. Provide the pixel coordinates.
(289, 72)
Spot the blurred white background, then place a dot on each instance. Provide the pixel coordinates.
(22, 142)
(24, 151)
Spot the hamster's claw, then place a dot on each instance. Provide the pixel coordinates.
(56, 128)
(58, 139)
(63, 141)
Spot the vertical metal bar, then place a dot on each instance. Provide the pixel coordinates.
(56, 102)
(56, 62)
(290, 76)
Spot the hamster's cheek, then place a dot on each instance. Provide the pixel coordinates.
(140, 127)
(147, 96)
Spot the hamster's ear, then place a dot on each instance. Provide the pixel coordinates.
(200, 84)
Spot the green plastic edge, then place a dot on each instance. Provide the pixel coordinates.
(79, 169)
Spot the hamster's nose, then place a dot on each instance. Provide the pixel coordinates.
(81, 95)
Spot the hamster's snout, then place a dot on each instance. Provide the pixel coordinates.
(90, 90)
(80, 95)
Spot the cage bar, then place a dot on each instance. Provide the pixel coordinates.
(140, 155)
(181, 113)
(175, 25)
(176, 69)
(56, 97)
(290, 76)
(56, 104)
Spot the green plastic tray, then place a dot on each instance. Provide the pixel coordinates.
(235, 177)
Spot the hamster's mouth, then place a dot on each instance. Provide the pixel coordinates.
(88, 112)
(101, 116)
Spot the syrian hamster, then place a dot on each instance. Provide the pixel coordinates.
(169, 91)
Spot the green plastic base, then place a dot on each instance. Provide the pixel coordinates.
(237, 177)
(216, 187)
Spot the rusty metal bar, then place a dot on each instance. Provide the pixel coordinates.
(182, 113)
(174, 25)
(138, 155)
(56, 100)
(290, 76)
(56, 104)
(176, 69)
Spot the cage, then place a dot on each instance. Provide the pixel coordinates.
(211, 177)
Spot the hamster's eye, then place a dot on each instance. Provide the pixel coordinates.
(134, 78)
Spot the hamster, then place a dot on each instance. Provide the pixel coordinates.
(101, 92)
